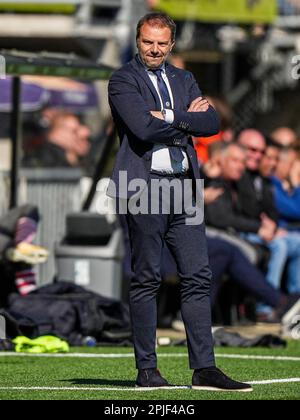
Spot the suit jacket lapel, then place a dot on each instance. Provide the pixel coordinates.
(140, 70)
(175, 86)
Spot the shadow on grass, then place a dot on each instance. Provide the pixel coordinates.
(100, 382)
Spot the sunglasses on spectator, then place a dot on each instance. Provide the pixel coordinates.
(256, 150)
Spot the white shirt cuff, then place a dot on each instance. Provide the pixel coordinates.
(169, 116)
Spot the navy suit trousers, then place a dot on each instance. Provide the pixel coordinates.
(187, 243)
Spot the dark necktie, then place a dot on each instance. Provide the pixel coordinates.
(175, 152)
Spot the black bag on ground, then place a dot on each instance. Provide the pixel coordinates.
(66, 310)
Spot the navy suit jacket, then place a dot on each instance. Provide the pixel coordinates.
(132, 96)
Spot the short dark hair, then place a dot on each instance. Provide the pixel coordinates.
(272, 143)
(158, 19)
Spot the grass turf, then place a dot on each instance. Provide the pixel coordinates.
(28, 372)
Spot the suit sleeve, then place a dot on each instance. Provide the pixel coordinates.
(129, 105)
(198, 124)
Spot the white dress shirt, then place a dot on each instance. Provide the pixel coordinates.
(161, 159)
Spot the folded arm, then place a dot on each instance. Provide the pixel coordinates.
(195, 121)
(129, 105)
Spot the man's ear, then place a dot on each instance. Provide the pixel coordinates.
(172, 46)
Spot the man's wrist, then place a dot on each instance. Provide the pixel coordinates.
(168, 115)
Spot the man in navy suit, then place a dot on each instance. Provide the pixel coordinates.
(157, 108)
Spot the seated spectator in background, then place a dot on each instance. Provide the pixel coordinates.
(287, 190)
(256, 198)
(270, 159)
(255, 192)
(227, 258)
(225, 212)
(232, 211)
(284, 136)
(17, 231)
(66, 144)
(226, 134)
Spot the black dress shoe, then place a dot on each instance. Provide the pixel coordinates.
(212, 379)
(150, 378)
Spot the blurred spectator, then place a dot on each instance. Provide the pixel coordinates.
(287, 189)
(255, 146)
(257, 201)
(284, 136)
(225, 213)
(227, 259)
(66, 144)
(17, 231)
(248, 207)
(270, 159)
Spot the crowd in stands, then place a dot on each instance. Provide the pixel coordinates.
(256, 180)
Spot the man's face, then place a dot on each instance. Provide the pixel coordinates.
(269, 162)
(285, 164)
(233, 164)
(74, 135)
(154, 45)
(256, 148)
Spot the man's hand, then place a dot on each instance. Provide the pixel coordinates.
(157, 114)
(199, 105)
(281, 233)
(295, 174)
(211, 194)
(268, 228)
(268, 223)
(265, 234)
(212, 169)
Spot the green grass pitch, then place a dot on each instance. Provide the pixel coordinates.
(111, 378)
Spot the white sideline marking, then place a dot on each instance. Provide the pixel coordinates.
(275, 381)
(259, 357)
(99, 389)
(162, 355)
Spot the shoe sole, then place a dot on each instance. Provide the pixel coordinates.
(288, 318)
(209, 388)
(152, 388)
